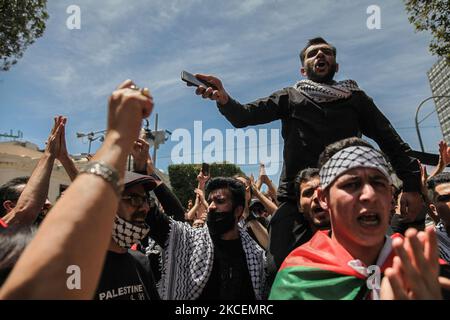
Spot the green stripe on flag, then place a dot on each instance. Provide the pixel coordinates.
(307, 283)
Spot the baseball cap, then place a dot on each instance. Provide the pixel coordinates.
(132, 178)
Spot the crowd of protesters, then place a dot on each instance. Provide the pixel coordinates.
(347, 211)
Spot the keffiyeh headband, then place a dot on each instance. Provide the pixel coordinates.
(349, 158)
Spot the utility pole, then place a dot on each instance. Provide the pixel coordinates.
(11, 135)
(155, 146)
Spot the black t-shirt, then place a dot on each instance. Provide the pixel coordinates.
(126, 276)
(230, 278)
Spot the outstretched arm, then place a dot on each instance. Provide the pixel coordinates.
(260, 111)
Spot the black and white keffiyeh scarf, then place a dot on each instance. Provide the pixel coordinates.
(188, 260)
(125, 234)
(320, 92)
(443, 242)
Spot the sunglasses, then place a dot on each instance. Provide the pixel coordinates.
(326, 51)
(138, 200)
(443, 198)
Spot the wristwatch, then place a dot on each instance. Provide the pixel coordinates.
(105, 171)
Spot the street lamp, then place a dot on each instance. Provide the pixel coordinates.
(417, 116)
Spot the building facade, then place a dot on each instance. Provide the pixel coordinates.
(439, 77)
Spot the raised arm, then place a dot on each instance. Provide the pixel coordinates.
(35, 193)
(266, 202)
(143, 164)
(376, 126)
(77, 231)
(271, 189)
(444, 158)
(192, 213)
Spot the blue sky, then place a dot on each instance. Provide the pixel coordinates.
(251, 45)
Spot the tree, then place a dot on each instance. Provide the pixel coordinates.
(432, 15)
(22, 21)
(183, 177)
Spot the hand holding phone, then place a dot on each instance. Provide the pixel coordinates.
(205, 169)
(191, 80)
(209, 87)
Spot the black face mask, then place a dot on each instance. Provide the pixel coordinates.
(220, 222)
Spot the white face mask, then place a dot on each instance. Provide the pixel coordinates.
(125, 234)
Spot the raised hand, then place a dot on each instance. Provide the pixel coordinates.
(415, 269)
(444, 153)
(127, 108)
(202, 179)
(140, 153)
(53, 144)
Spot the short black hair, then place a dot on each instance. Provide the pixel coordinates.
(304, 176)
(9, 191)
(13, 241)
(314, 41)
(236, 188)
(441, 178)
(337, 146)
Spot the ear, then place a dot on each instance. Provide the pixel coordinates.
(238, 211)
(433, 209)
(120, 210)
(337, 67)
(303, 71)
(8, 205)
(323, 195)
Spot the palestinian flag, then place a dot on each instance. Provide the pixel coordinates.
(319, 269)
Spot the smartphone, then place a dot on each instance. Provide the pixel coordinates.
(190, 79)
(205, 169)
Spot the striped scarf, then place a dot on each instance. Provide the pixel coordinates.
(188, 260)
(320, 92)
(443, 242)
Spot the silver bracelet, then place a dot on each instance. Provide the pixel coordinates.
(108, 173)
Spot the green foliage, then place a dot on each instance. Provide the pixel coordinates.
(183, 177)
(434, 16)
(22, 21)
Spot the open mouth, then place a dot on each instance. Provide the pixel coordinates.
(319, 213)
(369, 220)
(321, 65)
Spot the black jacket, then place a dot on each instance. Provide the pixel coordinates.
(308, 128)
